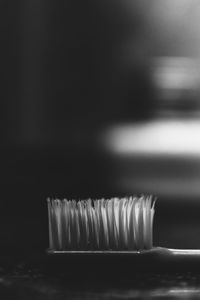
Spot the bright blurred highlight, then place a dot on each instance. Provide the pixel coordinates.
(168, 137)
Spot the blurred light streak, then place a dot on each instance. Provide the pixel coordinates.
(158, 137)
(177, 292)
(177, 72)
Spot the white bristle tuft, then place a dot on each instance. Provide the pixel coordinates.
(105, 224)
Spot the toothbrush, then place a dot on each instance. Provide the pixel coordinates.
(113, 228)
(105, 224)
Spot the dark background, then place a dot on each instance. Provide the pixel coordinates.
(69, 71)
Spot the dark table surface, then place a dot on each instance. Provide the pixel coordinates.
(37, 286)
(22, 280)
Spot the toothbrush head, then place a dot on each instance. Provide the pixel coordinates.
(116, 224)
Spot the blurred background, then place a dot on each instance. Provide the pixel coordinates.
(99, 99)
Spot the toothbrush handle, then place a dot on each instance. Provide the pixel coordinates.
(193, 252)
(174, 253)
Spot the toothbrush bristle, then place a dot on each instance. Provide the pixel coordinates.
(104, 224)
